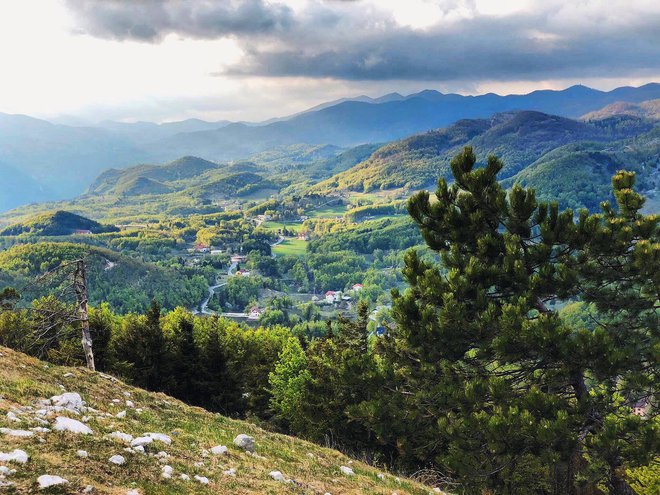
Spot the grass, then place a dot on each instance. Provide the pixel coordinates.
(291, 247)
(275, 226)
(24, 380)
(327, 212)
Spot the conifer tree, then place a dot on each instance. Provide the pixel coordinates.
(499, 392)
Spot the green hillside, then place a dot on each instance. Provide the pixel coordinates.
(519, 138)
(177, 460)
(646, 109)
(55, 224)
(125, 283)
(579, 175)
(138, 186)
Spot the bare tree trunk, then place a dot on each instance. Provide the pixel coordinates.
(80, 286)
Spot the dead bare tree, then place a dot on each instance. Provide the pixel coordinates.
(80, 288)
(74, 281)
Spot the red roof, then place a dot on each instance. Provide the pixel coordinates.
(330, 293)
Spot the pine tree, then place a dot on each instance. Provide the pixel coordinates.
(499, 392)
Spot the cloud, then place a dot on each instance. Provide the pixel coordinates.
(364, 40)
(153, 20)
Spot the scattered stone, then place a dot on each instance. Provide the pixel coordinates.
(202, 479)
(134, 491)
(160, 437)
(129, 403)
(163, 455)
(124, 437)
(69, 400)
(40, 429)
(381, 476)
(346, 470)
(82, 453)
(5, 471)
(141, 441)
(88, 489)
(139, 449)
(46, 480)
(229, 472)
(244, 442)
(219, 450)
(117, 459)
(71, 425)
(167, 472)
(16, 433)
(277, 476)
(121, 414)
(12, 417)
(68, 375)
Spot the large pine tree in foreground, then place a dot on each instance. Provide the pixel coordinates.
(498, 390)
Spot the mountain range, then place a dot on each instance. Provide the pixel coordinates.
(43, 161)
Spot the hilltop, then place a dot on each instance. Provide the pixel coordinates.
(57, 223)
(646, 109)
(177, 442)
(518, 138)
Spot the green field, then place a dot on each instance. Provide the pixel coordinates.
(328, 212)
(275, 226)
(291, 247)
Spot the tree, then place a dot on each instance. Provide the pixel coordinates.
(500, 392)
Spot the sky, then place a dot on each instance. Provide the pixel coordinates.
(166, 60)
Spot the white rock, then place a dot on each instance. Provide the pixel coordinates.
(40, 429)
(121, 414)
(117, 459)
(5, 471)
(277, 476)
(244, 442)
(69, 400)
(82, 453)
(46, 480)
(346, 470)
(160, 437)
(124, 437)
(16, 433)
(202, 479)
(68, 375)
(219, 450)
(141, 441)
(230, 472)
(127, 394)
(116, 401)
(139, 449)
(134, 491)
(381, 476)
(167, 472)
(71, 425)
(129, 403)
(162, 455)
(184, 477)
(6, 484)
(88, 489)
(12, 417)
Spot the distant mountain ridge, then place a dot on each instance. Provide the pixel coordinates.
(58, 161)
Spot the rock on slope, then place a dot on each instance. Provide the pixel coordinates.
(140, 442)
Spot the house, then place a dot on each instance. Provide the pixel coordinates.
(243, 273)
(216, 251)
(82, 232)
(303, 236)
(639, 408)
(255, 313)
(201, 248)
(238, 258)
(357, 287)
(333, 296)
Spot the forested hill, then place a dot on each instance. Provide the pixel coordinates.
(56, 223)
(518, 138)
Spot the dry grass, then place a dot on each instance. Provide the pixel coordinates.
(24, 380)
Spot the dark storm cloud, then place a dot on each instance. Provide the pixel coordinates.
(151, 20)
(354, 40)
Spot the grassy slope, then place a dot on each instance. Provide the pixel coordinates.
(24, 380)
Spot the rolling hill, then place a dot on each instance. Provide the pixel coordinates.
(82, 450)
(56, 223)
(646, 110)
(518, 138)
(54, 161)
